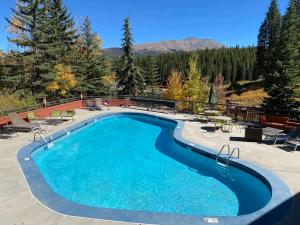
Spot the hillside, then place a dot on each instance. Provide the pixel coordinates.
(168, 46)
(246, 92)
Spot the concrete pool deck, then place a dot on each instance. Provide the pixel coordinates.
(18, 206)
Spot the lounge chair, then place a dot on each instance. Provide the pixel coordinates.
(55, 118)
(68, 114)
(55, 114)
(32, 118)
(99, 103)
(294, 143)
(92, 106)
(294, 134)
(20, 124)
(7, 133)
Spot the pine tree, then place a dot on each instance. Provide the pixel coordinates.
(261, 60)
(23, 23)
(298, 22)
(289, 47)
(13, 77)
(268, 40)
(129, 77)
(298, 9)
(44, 34)
(284, 80)
(90, 65)
(24, 34)
(58, 37)
(151, 75)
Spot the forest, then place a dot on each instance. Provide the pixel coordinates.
(51, 55)
(235, 64)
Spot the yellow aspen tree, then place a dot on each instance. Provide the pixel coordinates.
(64, 80)
(196, 88)
(174, 86)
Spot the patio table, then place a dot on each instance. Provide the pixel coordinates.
(220, 121)
(270, 132)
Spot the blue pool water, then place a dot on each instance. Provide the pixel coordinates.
(132, 162)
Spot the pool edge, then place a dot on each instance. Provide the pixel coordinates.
(281, 194)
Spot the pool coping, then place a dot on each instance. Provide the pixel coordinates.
(274, 211)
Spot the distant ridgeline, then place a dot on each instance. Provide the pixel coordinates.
(234, 64)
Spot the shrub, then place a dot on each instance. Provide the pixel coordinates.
(14, 101)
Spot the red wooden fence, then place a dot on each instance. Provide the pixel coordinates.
(45, 112)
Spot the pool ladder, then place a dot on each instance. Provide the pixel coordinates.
(229, 154)
(44, 138)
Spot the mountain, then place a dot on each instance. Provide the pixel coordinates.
(169, 46)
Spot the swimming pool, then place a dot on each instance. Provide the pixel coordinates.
(138, 165)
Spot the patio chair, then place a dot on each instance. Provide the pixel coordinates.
(32, 118)
(55, 118)
(7, 133)
(294, 143)
(229, 126)
(294, 134)
(20, 124)
(92, 106)
(68, 114)
(55, 114)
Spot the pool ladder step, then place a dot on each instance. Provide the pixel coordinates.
(47, 138)
(228, 154)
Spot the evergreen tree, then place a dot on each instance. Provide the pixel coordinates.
(129, 77)
(226, 61)
(12, 77)
(58, 37)
(25, 35)
(284, 80)
(151, 75)
(261, 53)
(298, 9)
(23, 25)
(44, 36)
(90, 65)
(289, 47)
(268, 40)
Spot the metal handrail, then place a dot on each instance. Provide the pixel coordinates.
(220, 152)
(40, 132)
(231, 154)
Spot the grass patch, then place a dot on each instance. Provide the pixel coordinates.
(251, 97)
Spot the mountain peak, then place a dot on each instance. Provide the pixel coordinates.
(169, 46)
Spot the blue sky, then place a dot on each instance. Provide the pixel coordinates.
(231, 22)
